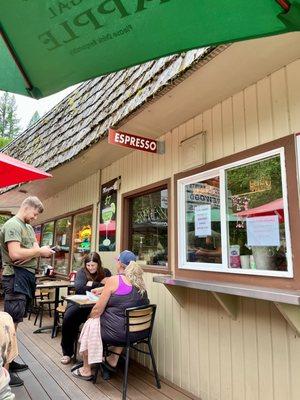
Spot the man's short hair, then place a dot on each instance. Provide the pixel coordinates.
(34, 202)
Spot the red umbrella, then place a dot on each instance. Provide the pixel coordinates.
(13, 171)
(274, 207)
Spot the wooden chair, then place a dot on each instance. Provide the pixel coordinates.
(138, 320)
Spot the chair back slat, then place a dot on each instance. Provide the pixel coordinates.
(140, 312)
(140, 327)
(139, 320)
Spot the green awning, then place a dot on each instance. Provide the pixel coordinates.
(47, 45)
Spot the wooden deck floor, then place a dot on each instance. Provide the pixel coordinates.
(48, 379)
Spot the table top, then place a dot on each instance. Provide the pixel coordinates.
(54, 284)
(80, 302)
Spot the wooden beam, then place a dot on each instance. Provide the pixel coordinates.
(179, 293)
(228, 302)
(291, 314)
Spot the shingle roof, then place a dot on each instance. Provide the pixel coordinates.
(83, 117)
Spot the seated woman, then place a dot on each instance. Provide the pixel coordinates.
(90, 276)
(126, 289)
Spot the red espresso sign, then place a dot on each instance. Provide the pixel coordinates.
(132, 141)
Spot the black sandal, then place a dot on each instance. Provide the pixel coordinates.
(76, 366)
(78, 374)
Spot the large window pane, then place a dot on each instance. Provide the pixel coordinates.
(38, 232)
(47, 240)
(62, 241)
(82, 238)
(149, 227)
(203, 225)
(255, 216)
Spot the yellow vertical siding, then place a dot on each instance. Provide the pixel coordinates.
(198, 347)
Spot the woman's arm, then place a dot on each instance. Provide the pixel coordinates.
(108, 289)
(80, 282)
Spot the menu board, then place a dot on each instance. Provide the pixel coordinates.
(108, 214)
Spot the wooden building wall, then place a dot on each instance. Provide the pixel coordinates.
(198, 347)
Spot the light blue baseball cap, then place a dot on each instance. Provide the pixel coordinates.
(126, 257)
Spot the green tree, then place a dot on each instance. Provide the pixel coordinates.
(9, 123)
(4, 141)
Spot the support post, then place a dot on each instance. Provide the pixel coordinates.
(291, 314)
(229, 303)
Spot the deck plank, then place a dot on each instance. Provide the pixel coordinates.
(45, 344)
(61, 379)
(37, 381)
(21, 393)
(48, 379)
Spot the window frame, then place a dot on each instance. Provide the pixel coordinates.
(126, 232)
(221, 173)
(70, 215)
(288, 142)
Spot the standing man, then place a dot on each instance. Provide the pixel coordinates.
(20, 252)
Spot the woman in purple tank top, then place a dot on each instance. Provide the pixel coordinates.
(124, 290)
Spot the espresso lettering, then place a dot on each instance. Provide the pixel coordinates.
(137, 143)
(79, 20)
(146, 144)
(47, 38)
(142, 143)
(122, 138)
(127, 139)
(152, 146)
(117, 3)
(117, 136)
(69, 30)
(132, 141)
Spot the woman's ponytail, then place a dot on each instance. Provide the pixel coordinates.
(134, 274)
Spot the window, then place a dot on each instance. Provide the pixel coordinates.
(203, 224)
(47, 240)
(4, 218)
(62, 241)
(148, 227)
(235, 219)
(38, 231)
(82, 236)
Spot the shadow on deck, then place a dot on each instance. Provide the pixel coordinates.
(48, 379)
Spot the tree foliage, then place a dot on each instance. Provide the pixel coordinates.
(4, 141)
(9, 123)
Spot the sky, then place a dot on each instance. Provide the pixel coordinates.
(27, 106)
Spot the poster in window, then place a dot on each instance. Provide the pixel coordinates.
(263, 231)
(108, 214)
(203, 220)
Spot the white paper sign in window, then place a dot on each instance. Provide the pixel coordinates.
(263, 231)
(203, 220)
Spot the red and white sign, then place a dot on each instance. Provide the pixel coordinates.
(133, 141)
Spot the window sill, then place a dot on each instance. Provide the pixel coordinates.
(255, 292)
(155, 269)
(287, 302)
